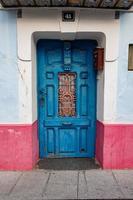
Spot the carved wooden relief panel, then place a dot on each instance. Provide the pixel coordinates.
(67, 94)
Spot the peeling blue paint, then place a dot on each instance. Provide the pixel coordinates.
(8, 68)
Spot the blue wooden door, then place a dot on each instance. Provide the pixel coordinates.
(66, 98)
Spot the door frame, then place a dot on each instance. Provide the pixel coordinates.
(94, 134)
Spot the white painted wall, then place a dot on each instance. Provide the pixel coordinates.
(18, 84)
(47, 23)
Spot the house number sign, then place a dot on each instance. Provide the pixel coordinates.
(68, 16)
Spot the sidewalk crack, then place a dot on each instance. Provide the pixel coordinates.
(85, 181)
(78, 184)
(46, 184)
(119, 187)
(11, 190)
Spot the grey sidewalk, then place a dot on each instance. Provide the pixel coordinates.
(42, 184)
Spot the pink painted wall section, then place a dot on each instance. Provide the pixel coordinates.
(114, 146)
(18, 147)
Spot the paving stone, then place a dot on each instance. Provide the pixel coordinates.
(30, 185)
(101, 185)
(2, 197)
(7, 181)
(82, 186)
(125, 181)
(62, 185)
(90, 184)
(18, 198)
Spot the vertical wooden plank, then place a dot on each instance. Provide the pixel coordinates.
(51, 140)
(83, 100)
(83, 140)
(50, 100)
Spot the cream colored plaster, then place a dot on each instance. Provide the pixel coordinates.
(39, 24)
(25, 92)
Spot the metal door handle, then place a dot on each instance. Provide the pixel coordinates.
(42, 93)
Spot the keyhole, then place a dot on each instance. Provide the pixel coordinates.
(82, 150)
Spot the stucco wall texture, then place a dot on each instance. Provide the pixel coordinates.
(8, 68)
(100, 25)
(125, 77)
(18, 91)
(10, 74)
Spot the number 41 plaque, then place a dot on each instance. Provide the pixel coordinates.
(68, 16)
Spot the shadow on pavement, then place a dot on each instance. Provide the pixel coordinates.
(67, 164)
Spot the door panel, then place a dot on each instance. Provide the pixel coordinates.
(51, 140)
(66, 98)
(84, 100)
(67, 140)
(50, 91)
(83, 140)
(67, 94)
